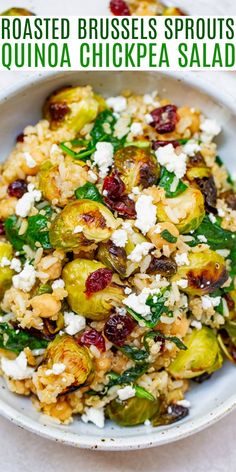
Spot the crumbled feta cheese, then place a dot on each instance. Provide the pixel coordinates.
(135, 191)
(5, 262)
(147, 423)
(15, 264)
(25, 280)
(210, 129)
(136, 129)
(103, 157)
(105, 193)
(125, 393)
(138, 302)
(56, 369)
(210, 302)
(118, 103)
(92, 176)
(223, 252)
(25, 203)
(17, 368)
(127, 291)
(183, 283)
(119, 237)
(149, 99)
(221, 212)
(182, 259)
(196, 324)
(74, 323)
(191, 148)
(148, 118)
(212, 218)
(78, 229)
(141, 250)
(30, 162)
(168, 158)
(146, 213)
(94, 415)
(59, 283)
(202, 238)
(184, 403)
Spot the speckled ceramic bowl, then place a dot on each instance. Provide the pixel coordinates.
(211, 400)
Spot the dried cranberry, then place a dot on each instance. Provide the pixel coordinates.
(58, 111)
(119, 8)
(209, 191)
(157, 144)
(92, 337)
(98, 280)
(164, 119)
(230, 198)
(2, 228)
(20, 138)
(177, 412)
(202, 378)
(118, 327)
(124, 206)
(17, 188)
(113, 186)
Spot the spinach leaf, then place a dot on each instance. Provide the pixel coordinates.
(217, 237)
(129, 376)
(166, 181)
(157, 308)
(141, 392)
(137, 355)
(37, 232)
(16, 340)
(103, 125)
(44, 288)
(161, 336)
(168, 236)
(88, 191)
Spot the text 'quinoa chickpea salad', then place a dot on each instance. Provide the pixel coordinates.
(117, 258)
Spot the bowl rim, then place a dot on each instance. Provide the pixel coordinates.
(150, 438)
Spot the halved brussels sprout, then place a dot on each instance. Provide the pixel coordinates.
(197, 168)
(205, 273)
(137, 167)
(17, 12)
(96, 306)
(47, 181)
(133, 411)
(113, 257)
(81, 223)
(64, 349)
(72, 107)
(202, 355)
(5, 272)
(186, 211)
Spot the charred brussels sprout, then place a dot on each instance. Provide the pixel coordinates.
(96, 306)
(202, 355)
(137, 167)
(64, 349)
(197, 168)
(14, 11)
(133, 411)
(187, 210)
(205, 273)
(81, 223)
(72, 107)
(5, 272)
(113, 257)
(47, 181)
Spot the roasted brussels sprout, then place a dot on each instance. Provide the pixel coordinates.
(96, 306)
(64, 349)
(81, 223)
(202, 355)
(137, 167)
(205, 273)
(72, 107)
(197, 168)
(133, 411)
(186, 211)
(47, 181)
(113, 257)
(14, 11)
(5, 272)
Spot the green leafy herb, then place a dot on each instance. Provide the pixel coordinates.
(157, 308)
(44, 288)
(88, 191)
(16, 340)
(139, 144)
(217, 237)
(141, 392)
(137, 355)
(166, 181)
(168, 236)
(37, 232)
(129, 376)
(160, 336)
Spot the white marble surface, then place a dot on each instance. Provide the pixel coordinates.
(212, 450)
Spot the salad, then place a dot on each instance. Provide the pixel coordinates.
(117, 258)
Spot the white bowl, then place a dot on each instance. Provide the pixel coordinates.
(211, 400)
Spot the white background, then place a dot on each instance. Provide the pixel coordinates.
(212, 450)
